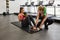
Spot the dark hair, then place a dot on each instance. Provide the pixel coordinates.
(21, 9)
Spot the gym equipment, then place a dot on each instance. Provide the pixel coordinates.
(7, 7)
(27, 29)
(4, 13)
(26, 3)
(40, 2)
(32, 3)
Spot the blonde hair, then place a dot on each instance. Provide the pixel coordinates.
(41, 8)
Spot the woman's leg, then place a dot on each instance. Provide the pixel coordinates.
(31, 19)
(26, 22)
(48, 22)
(38, 24)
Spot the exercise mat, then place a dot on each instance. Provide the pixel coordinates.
(27, 29)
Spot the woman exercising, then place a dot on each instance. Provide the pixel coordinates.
(43, 16)
(25, 19)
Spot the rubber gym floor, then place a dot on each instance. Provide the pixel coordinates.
(11, 32)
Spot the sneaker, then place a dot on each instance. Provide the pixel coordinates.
(39, 29)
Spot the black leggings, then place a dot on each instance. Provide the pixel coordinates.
(28, 21)
(46, 23)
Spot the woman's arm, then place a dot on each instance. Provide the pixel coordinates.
(37, 18)
(44, 19)
(19, 17)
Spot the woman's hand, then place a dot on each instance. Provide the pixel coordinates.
(44, 19)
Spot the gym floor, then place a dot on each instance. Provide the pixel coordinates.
(11, 32)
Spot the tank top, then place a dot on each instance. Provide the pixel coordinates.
(44, 14)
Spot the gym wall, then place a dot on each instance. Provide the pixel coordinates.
(14, 6)
(2, 6)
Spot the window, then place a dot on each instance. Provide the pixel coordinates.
(50, 10)
(58, 11)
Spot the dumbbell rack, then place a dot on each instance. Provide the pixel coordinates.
(7, 6)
